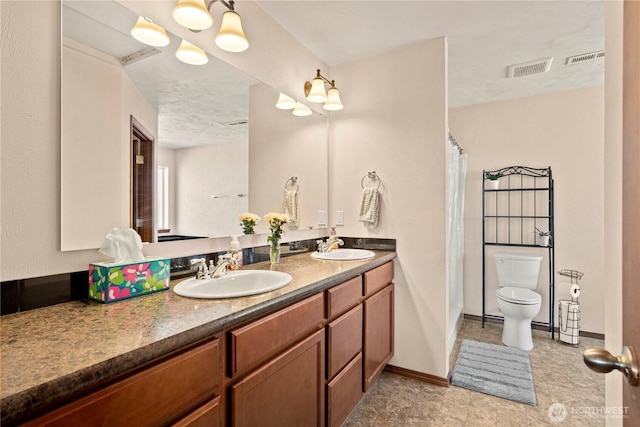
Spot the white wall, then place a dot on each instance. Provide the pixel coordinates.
(98, 99)
(394, 123)
(30, 131)
(293, 146)
(565, 131)
(201, 172)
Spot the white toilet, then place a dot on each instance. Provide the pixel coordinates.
(519, 304)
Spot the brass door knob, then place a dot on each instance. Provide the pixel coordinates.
(600, 360)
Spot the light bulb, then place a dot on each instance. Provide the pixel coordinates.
(317, 92)
(192, 14)
(149, 33)
(285, 102)
(191, 54)
(231, 37)
(301, 110)
(333, 100)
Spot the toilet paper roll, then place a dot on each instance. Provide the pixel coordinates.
(563, 289)
(575, 291)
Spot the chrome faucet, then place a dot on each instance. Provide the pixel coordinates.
(203, 272)
(224, 261)
(324, 247)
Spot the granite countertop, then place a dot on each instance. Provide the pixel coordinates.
(50, 353)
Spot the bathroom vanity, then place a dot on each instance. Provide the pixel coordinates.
(301, 355)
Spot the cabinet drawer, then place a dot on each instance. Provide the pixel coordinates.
(286, 391)
(378, 278)
(344, 296)
(344, 392)
(155, 396)
(263, 338)
(208, 415)
(344, 340)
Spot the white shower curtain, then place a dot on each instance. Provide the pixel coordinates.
(457, 176)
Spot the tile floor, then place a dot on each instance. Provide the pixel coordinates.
(559, 376)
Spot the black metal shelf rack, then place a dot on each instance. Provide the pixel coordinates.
(510, 217)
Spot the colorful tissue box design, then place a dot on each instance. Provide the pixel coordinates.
(114, 282)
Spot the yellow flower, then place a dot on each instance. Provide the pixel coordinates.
(248, 220)
(248, 216)
(275, 221)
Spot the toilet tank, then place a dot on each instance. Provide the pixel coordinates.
(517, 270)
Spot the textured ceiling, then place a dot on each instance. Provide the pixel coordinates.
(194, 103)
(484, 38)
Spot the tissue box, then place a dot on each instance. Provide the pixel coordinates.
(110, 282)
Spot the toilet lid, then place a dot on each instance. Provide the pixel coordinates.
(518, 296)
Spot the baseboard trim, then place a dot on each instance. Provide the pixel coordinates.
(420, 376)
(585, 334)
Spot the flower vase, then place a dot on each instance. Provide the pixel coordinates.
(274, 251)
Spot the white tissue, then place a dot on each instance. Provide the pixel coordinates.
(575, 291)
(123, 246)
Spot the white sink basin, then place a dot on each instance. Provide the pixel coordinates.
(344, 255)
(233, 284)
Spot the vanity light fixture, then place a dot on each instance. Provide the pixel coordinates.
(285, 102)
(315, 92)
(231, 37)
(195, 15)
(301, 110)
(147, 32)
(191, 54)
(192, 14)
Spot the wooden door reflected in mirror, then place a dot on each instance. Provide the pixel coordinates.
(142, 194)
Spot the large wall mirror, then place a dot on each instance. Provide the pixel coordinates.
(200, 144)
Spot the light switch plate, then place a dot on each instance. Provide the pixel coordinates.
(339, 217)
(322, 218)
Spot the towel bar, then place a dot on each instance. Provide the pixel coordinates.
(294, 183)
(372, 176)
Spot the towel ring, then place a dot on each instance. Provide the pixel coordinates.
(294, 183)
(372, 176)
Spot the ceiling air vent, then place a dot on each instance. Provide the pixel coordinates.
(138, 55)
(532, 67)
(237, 123)
(585, 57)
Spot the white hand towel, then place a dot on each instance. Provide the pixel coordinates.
(369, 207)
(290, 206)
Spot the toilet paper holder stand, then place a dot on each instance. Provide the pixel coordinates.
(569, 323)
(575, 276)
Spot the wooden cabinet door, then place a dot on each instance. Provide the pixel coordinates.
(208, 415)
(378, 334)
(286, 391)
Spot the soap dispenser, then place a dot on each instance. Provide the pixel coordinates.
(235, 252)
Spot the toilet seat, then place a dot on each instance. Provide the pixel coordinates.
(519, 296)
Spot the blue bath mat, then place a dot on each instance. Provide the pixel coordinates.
(496, 370)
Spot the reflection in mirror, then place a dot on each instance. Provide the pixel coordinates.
(199, 120)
